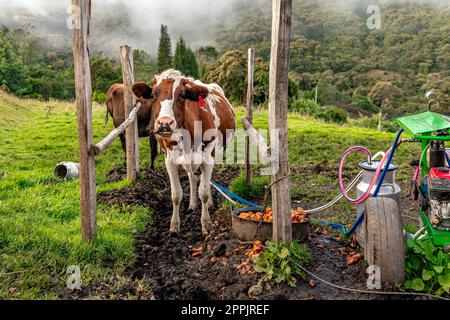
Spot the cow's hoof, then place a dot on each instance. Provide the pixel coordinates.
(173, 234)
(174, 228)
(207, 228)
(192, 208)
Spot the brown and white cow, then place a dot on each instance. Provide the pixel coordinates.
(191, 120)
(116, 109)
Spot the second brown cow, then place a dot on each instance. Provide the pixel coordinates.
(116, 109)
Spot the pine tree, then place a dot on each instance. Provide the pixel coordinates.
(184, 59)
(164, 50)
(180, 56)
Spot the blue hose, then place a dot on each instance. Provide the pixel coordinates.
(447, 157)
(235, 196)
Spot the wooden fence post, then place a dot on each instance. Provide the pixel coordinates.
(131, 134)
(278, 105)
(250, 97)
(81, 15)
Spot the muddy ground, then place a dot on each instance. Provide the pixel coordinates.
(167, 265)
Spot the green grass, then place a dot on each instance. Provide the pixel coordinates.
(39, 216)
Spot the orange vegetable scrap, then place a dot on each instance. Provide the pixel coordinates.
(297, 215)
(354, 259)
(255, 250)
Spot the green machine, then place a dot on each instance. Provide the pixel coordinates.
(431, 181)
(384, 235)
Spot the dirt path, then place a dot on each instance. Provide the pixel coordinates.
(167, 264)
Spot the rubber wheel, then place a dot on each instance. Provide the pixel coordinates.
(384, 245)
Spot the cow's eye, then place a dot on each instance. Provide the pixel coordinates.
(182, 95)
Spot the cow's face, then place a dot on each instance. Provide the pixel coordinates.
(170, 99)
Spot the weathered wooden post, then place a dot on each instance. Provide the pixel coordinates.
(81, 15)
(131, 134)
(278, 105)
(250, 97)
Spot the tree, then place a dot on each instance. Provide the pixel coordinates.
(230, 72)
(13, 72)
(184, 59)
(144, 67)
(381, 94)
(164, 50)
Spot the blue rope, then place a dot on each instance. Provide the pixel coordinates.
(235, 196)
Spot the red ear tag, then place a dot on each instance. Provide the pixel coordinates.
(201, 103)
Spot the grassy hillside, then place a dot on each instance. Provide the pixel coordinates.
(39, 216)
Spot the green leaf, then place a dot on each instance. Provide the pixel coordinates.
(287, 270)
(258, 268)
(255, 290)
(438, 269)
(408, 284)
(427, 275)
(417, 284)
(279, 278)
(442, 258)
(439, 292)
(284, 253)
(444, 281)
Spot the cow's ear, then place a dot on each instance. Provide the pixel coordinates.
(195, 92)
(142, 90)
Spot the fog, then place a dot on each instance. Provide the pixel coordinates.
(116, 22)
(137, 23)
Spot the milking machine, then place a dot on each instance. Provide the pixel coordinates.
(379, 228)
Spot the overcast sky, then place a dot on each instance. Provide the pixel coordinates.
(188, 18)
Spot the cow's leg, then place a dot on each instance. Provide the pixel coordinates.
(153, 151)
(205, 195)
(177, 194)
(210, 202)
(193, 181)
(124, 146)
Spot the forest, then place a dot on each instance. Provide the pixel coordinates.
(339, 68)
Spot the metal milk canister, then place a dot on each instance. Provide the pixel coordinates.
(389, 189)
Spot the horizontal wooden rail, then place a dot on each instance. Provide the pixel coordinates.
(102, 145)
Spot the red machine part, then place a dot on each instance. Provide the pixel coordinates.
(441, 173)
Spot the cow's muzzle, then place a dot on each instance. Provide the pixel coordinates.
(164, 126)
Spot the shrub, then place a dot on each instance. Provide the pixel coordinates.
(332, 114)
(326, 113)
(99, 97)
(427, 268)
(281, 263)
(365, 104)
(372, 123)
(255, 191)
